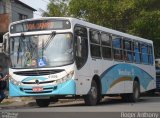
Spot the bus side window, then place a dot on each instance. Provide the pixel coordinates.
(106, 46)
(144, 48)
(137, 52)
(117, 47)
(150, 55)
(95, 44)
(81, 46)
(127, 46)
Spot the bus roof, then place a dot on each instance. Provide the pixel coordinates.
(90, 25)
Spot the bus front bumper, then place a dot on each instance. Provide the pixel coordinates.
(67, 88)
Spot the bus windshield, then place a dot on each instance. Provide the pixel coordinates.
(37, 51)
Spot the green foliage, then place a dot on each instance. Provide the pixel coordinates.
(56, 8)
(148, 26)
(137, 17)
(115, 14)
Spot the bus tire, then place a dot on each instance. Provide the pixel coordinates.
(92, 97)
(43, 102)
(134, 96)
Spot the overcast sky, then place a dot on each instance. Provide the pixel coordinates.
(37, 4)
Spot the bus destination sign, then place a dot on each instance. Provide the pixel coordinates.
(40, 25)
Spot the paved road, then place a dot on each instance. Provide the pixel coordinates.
(146, 104)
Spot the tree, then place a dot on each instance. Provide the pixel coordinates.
(56, 8)
(137, 17)
(115, 14)
(147, 24)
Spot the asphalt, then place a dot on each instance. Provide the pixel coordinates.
(18, 102)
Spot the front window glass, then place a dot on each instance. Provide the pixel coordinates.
(41, 50)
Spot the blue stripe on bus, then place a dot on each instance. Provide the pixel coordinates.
(123, 72)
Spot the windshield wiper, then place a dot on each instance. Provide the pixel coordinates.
(53, 34)
(11, 48)
(18, 51)
(19, 46)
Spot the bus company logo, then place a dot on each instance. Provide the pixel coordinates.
(126, 72)
(37, 81)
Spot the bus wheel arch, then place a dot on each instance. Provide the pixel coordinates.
(98, 81)
(95, 90)
(134, 96)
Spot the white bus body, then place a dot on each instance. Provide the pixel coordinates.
(99, 62)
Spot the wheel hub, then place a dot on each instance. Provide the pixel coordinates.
(94, 92)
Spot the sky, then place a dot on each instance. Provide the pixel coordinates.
(37, 4)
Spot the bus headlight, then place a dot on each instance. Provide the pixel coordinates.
(65, 78)
(15, 82)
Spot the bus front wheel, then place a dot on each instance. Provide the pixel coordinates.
(43, 102)
(92, 97)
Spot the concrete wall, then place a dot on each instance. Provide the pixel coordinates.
(19, 9)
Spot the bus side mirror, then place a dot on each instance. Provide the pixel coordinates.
(4, 46)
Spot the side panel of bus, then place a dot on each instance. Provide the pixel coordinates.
(116, 76)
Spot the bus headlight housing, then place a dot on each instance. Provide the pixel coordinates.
(15, 82)
(65, 78)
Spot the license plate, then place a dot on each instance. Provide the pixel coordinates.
(37, 89)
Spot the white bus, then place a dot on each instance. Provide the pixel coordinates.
(61, 57)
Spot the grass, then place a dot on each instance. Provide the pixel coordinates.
(6, 103)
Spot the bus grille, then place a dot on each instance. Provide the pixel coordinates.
(44, 82)
(45, 90)
(38, 72)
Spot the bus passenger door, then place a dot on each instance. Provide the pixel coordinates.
(81, 60)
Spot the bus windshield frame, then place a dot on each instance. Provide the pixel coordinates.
(41, 51)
